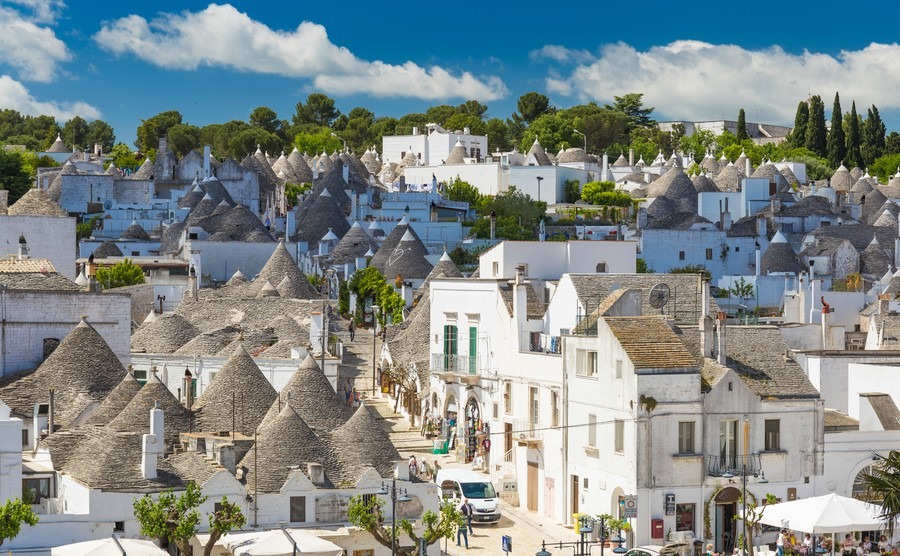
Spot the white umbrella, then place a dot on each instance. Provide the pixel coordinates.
(823, 514)
(109, 547)
(280, 542)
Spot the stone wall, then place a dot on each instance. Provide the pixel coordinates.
(79, 190)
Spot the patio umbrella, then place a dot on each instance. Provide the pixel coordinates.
(111, 546)
(280, 542)
(823, 514)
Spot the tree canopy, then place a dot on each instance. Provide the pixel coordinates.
(14, 174)
(125, 273)
(13, 514)
(366, 513)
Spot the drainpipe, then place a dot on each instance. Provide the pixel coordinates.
(565, 443)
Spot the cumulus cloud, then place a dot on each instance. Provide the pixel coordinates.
(30, 48)
(16, 97)
(42, 11)
(561, 54)
(221, 36)
(697, 80)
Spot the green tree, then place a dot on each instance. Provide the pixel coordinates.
(369, 283)
(459, 190)
(632, 105)
(472, 108)
(265, 118)
(642, 267)
(42, 128)
(183, 138)
(125, 273)
(815, 129)
(123, 157)
(742, 126)
(75, 134)
(837, 142)
(14, 176)
(316, 142)
(801, 122)
(497, 135)
(366, 513)
(873, 136)
(440, 113)
(892, 143)
(553, 130)
(882, 481)
(854, 153)
(175, 518)
(461, 121)
(247, 141)
(13, 514)
(100, 132)
(361, 132)
(885, 167)
(151, 129)
(593, 189)
(319, 110)
(532, 106)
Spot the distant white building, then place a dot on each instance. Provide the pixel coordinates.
(760, 134)
(433, 147)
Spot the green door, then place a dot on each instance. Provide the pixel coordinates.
(450, 347)
(473, 349)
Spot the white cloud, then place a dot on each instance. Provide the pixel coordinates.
(698, 80)
(32, 50)
(43, 11)
(222, 36)
(16, 97)
(561, 54)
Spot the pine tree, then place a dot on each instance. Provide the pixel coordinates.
(837, 144)
(815, 129)
(872, 136)
(801, 120)
(742, 126)
(854, 156)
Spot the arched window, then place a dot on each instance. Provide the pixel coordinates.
(601, 267)
(860, 490)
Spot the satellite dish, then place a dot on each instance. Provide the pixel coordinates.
(659, 295)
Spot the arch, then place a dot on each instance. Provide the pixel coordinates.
(858, 488)
(601, 267)
(450, 402)
(727, 495)
(617, 503)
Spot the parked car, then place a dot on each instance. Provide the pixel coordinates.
(457, 484)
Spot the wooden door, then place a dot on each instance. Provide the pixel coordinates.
(574, 494)
(532, 486)
(507, 441)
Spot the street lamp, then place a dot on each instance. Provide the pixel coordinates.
(374, 339)
(539, 180)
(585, 139)
(328, 274)
(397, 494)
(335, 135)
(744, 473)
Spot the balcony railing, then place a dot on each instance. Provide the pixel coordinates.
(735, 464)
(456, 364)
(525, 430)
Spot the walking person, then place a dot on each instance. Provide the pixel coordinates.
(780, 541)
(465, 523)
(352, 328)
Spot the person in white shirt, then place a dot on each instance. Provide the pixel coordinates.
(779, 543)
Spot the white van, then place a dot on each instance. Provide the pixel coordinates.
(461, 483)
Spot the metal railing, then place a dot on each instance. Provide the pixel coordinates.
(735, 464)
(525, 429)
(457, 364)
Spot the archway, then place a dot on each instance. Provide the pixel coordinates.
(476, 431)
(860, 491)
(726, 510)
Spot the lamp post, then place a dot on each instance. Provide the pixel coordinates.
(374, 340)
(397, 494)
(328, 274)
(585, 139)
(335, 135)
(539, 180)
(744, 473)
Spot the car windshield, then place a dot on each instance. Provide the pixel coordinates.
(478, 490)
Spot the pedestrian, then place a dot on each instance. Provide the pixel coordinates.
(780, 541)
(437, 467)
(413, 466)
(352, 329)
(468, 510)
(465, 523)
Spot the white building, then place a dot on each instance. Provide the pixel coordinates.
(433, 147)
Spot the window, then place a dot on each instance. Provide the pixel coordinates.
(39, 487)
(554, 408)
(507, 397)
(495, 267)
(141, 376)
(450, 347)
(473, 349)
(601, 267)
(24, 437)
(119, 527)
(681, 255)
(496, 410)
(618, 368)
(773, 435)
(686, 437)
(620, 436)
(708, 254)
(592, 430)
(586, 362)
(534, 407)
(684, 517)
(298, 509)
(585, 483)
(737, 249)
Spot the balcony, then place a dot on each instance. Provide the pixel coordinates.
(454, 364)
(736, 464)
(526, 433)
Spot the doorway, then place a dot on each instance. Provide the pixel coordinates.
(532, 500)
(507, 441)
(575, 494)
(726, 510)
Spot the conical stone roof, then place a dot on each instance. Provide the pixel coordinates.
(408, 259)
(135, 232)
(703, 184)
(107, 249)
(355, 243)
(58, 146)
(312, 397)
(539, 154)
(268, 290)
(457, 154)
(390, 242)
(164, 335)
(239, 380)
(841, 180)
(237, 279)
(36, 202)
(363, 429)
(790, 176)
(872, 202)
(116, 401)
(279, 265)
(82, 370)
(729, 178)
(873, 261)
(135, 417)
(780, 258)
(621, 161)
(145, 172)
(324, 214)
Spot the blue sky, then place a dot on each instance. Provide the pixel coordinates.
(124, 61)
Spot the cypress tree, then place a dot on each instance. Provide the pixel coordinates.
(837, 144)
(854, 156)
(801, 120)
(815, 129)
(742, 126)
(873, 136)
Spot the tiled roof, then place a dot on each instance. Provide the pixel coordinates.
(363, 430)
(312, 397)
(650, 343)
(684, 304)
(164, 335)
(116, 401)
(279, 265)
(535, 307)
(836, 421)
(885, 409)
(135, 417)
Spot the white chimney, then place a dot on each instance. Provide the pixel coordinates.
(152, 444)
(316, 473)
(720, 338)
(747, 167)
(605, 167)
(206, 155)
(631, 157)
(345, 172)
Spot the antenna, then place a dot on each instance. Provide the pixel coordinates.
(659, 296)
